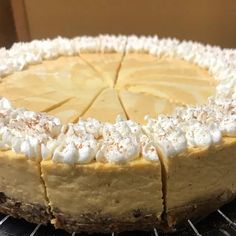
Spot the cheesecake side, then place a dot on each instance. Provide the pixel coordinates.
(22, 193)
(199, 176)
(104, 197)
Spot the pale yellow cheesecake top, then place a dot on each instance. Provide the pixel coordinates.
(70, 88)
(92, 81)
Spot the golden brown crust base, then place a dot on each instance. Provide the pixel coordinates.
(34, 213)
(95, 223)
(177, 218)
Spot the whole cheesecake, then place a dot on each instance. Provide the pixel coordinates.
(115, 133)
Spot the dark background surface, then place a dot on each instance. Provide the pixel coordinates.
(7, 30)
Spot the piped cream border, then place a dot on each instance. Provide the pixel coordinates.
(125, 140)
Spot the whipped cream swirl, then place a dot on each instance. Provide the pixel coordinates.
(78, 144)
(166, 135)
(25, 131)
(125, 141)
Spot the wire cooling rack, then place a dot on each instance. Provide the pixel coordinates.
(221, 222)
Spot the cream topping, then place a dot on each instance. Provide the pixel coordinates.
(5, 104)
(119, 143)
(125, 141)
(78, 144)
(166, 135)
(40, 135)
(90, 140)
(25, 131)
(23, 54)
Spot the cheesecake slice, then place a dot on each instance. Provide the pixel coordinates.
(22, 191)
(197, 149)
(101, 198)
(91, 165)
(106, 107)
(210, 181)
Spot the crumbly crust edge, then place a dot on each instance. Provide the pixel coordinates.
(97, 223)
(34, 213)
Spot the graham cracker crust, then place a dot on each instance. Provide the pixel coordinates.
(33, 213)
(95, 223)
(177, 217)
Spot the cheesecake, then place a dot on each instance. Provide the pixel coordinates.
(23, 194)
(115, 133)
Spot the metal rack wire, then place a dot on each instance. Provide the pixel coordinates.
(221, 222)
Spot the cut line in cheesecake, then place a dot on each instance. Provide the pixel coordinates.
(107, 65)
